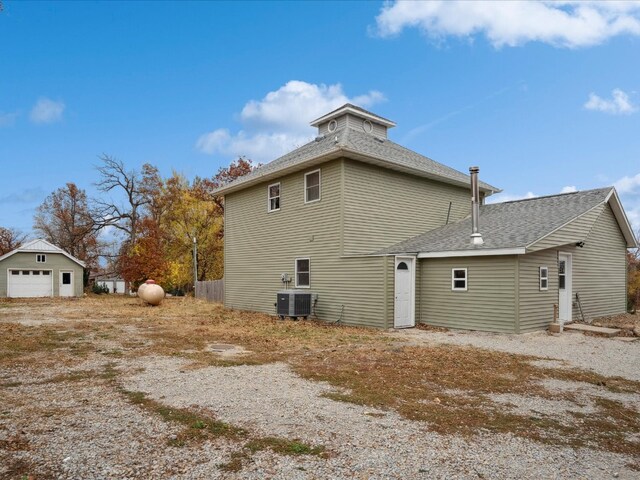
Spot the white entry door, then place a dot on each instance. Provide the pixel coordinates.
(66, 283)
(565, 295)
(404, 293)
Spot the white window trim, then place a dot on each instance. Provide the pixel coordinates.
(319, 186)
(295, 269)
(44, 258)
(269, 197)
(466, 280)
(540, 278)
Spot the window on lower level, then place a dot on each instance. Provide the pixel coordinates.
(544, 278)
(303, 273)
(459, 279)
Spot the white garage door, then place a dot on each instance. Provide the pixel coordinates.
(29, 283)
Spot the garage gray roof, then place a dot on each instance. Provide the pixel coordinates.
(352, 143)
(507, 225)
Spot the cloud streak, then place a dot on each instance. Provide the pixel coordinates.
(279, 122)
(47, 111)
(8, 119)
(568, 24)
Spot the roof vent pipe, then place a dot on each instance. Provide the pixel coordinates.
(476, 237)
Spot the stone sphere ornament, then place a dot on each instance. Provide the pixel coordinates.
(151, 292)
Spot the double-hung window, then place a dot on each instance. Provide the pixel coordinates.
(312, 186)
(274, 197)
(303, 273)
(459, 279)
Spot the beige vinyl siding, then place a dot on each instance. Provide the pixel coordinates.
(54, 262)
(323, 128)
(489, 303)
(383, 207)
(261, 245)
(599, 269)
(357, 124)
(573, 232)
(535, 305)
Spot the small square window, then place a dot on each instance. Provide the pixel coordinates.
(273, 193)
(15, 272)
(544, 278)
(303, 273)
(459, 279)
(35, 272)
(46, 272)
(25, 272)
(41, 258)
(312, 186)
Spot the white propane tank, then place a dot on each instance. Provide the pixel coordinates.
(151, 292)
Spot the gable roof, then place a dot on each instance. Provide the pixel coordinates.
(351, 108)
(357, 145)
(41, 246)
(513, 227)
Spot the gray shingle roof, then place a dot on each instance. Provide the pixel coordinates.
(506, 225)
(354, 107)
(364, 147)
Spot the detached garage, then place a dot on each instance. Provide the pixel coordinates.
(40, 269)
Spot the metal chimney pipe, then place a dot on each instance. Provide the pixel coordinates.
(476, 237)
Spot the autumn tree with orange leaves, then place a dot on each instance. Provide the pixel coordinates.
(64, 219)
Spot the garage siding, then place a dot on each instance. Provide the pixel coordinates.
(54, 262)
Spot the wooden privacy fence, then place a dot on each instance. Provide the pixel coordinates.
(211, 290)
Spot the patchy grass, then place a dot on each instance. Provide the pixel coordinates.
(420, 383)
(200, 426)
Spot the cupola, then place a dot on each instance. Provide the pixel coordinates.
(352, 116)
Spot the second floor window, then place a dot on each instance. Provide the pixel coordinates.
(274, 197)
(41, 258)
(312, 186)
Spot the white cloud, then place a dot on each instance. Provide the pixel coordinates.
(619, 104)
(509, 197)
(569, 189)
(47, 111)
(280, 121)
(628, 185)
(569, 24)
(8, 119)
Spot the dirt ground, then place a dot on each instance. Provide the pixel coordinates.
(106, 387)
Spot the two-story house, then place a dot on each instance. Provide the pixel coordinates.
(383, 236)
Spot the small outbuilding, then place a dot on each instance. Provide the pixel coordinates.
(40, 269)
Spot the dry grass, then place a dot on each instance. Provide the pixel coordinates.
(420, 383)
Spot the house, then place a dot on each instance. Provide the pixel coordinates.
(40, 269)
(114, 284)
(385, 237)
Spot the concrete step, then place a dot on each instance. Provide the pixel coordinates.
(601, 331)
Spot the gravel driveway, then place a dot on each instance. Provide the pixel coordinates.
(63, 416)
(608, 356)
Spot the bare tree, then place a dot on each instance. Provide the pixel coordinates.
(10, 239)
(139, 191)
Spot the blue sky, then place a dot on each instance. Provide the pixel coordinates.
(543, 97)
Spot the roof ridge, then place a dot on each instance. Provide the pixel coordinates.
(549, 196)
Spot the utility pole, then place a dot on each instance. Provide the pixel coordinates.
(195, 264)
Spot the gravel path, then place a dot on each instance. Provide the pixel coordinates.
(364, 442)
(607, 356)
